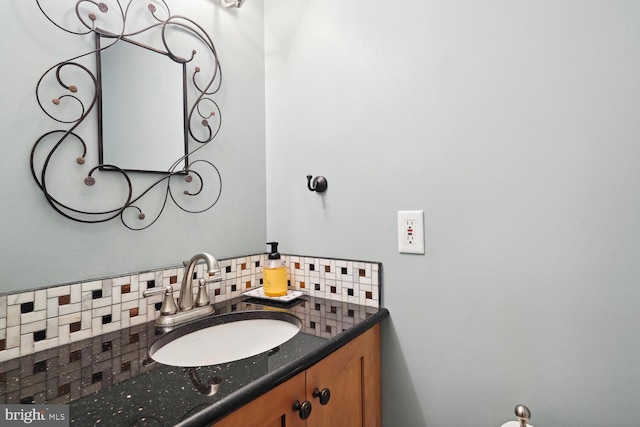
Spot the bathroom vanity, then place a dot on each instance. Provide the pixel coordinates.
(110, 380)
(341, 389)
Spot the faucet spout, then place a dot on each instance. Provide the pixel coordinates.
(185, 300)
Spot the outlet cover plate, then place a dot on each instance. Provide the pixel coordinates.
(411, 232)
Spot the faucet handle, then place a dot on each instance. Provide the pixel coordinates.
(203, 296)
(168, 303)
(523, 414)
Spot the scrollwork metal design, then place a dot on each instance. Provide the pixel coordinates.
(186, 179)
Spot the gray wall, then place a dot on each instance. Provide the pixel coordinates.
(514, 126)
(39, 247)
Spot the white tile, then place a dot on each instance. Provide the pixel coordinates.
(120, 281)
(92, 286)
(76, 293)
(3, 306)
(129, 305)
(116, 296)
(366, 280)
(124, 320)
(138, 320)
(110, 327)
(63, 310)
(367, 270)
(52, 307)
(70, 318)
(9, 354)
(13, 315)
(34, 316)
(40, 300)
(86, 320)
(131, 296)
(20, 298)
(363, 298)
(353, 299)
(64, 334)
(80, 335)
(96, 326)
(52, 328)
(134, 284)
(26, 344)
(27, 328)
(87, 300)
(46, 344)
(375, 279)
(107, 288)
(13, 337)
(101, 302)
(335, 297)
(99, 312)
(58, 291)
(171, 272)
(144, 277)
(372, 303)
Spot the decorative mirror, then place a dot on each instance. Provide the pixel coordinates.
(152, 93)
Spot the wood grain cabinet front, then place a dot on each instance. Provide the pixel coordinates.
(343, 389)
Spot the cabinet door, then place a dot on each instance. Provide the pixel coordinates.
(272, 409)
(352, 376)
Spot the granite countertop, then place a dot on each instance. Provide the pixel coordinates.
(110, 380)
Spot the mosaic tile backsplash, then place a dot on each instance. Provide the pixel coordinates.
(37, 320)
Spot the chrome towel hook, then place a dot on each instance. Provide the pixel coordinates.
(319, 184)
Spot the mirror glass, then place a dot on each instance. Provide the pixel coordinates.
(141, 107)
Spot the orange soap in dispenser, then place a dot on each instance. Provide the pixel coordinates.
(274, 273)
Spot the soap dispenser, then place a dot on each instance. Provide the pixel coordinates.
(274, 273)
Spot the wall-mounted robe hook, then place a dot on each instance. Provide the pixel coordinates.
(319, 184)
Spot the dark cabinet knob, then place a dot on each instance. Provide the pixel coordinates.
(323, 395)
(304, 408)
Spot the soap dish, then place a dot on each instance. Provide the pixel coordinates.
(259, 293)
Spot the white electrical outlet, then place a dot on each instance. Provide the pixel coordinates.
(411, 232)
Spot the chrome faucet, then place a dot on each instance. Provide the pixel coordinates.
(172, 314)
(185, 299)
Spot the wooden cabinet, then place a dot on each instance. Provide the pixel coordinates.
(351, 377)
(272, 409)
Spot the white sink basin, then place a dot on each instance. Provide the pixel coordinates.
(225, 338)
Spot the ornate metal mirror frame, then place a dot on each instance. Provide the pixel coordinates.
(79, 90)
